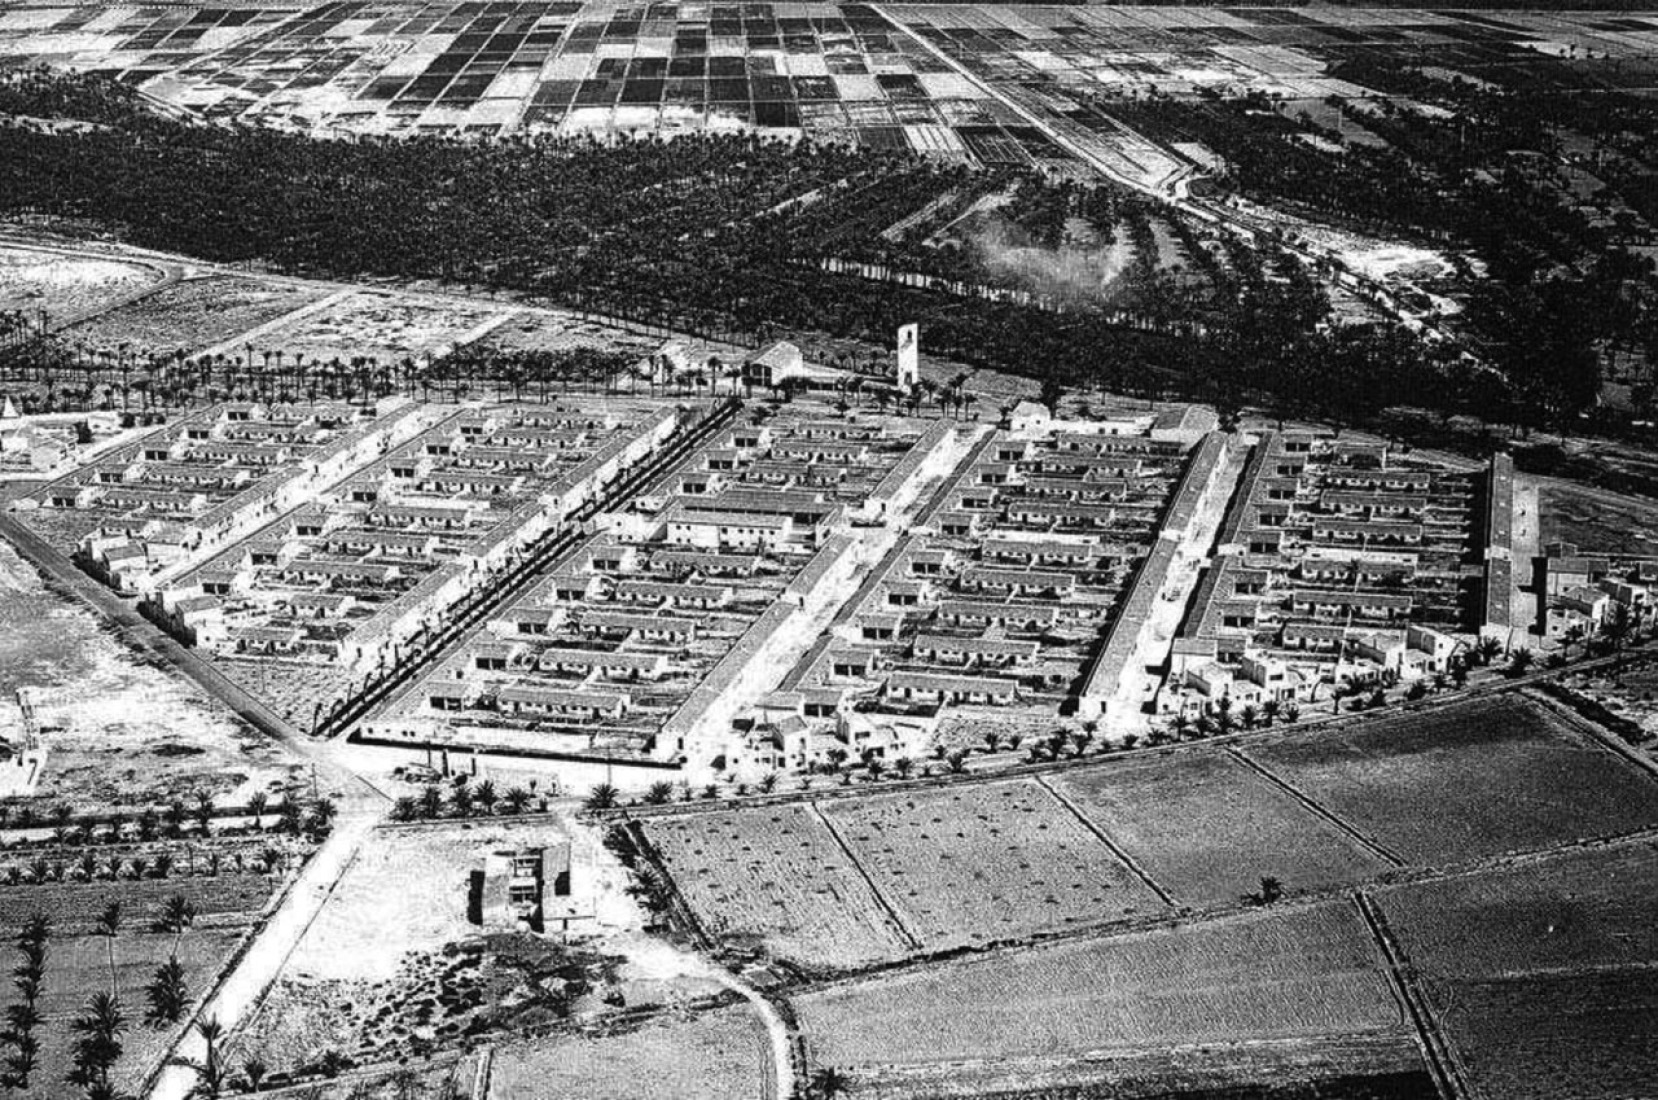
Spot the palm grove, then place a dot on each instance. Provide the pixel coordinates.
(723, 236)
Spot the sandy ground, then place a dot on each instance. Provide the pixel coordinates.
(120, 732)
(38, 280)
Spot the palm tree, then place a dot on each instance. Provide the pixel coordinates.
(601, 797)
(257, 802)
(254, 1069)
(168, 993)
(827, 1083)
(109, 926)
(99, 1029)
(210, 1069)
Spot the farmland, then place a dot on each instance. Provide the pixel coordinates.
(985, 863)
(1541, 973)
(777, 877)
(191, 316)
(719, 1055)
(1466, 781)
(1205, 827)
(228, 905)
(1292, 973)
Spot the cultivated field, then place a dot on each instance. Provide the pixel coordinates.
(986, 863)
(1572, 911)
(375, 326)
(1542, 973)
(1288, 973)
(193, 316)
(1468, 781)
(1207, 828)
(775, 876)
(228, 907)
(136, 734)
(721, 1055)
(224, 900)
(78, 966)
(63, 286)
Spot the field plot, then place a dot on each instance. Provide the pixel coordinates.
(79, 961)
(1575, 911)
(1542, 973)
(137, 735)
(79, 965)
(718, 1056)
(192, 316)
(1288, 973)
(980, 864)
(776, 875)
(1588, 1036)
(1465, 782)
(376, 326)
(64, 286)
(1206, 828)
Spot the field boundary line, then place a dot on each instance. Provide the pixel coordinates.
(1369, 845)
(1111, 845)
(1593, 731)
(1436, 1048)
(887, 907)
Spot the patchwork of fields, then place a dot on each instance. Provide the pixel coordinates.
(777, 875)
(847, 882)
(979, 864)
(1206, 828)
(987, 84)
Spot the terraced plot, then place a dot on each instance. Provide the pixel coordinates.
(1286, 973)
(1470, 781)
(777, 876)
(980, 864)
(1206, 828)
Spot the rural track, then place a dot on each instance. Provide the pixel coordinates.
(1438, 1054)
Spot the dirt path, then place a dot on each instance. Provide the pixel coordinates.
(781, 1080)
(242, 990)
